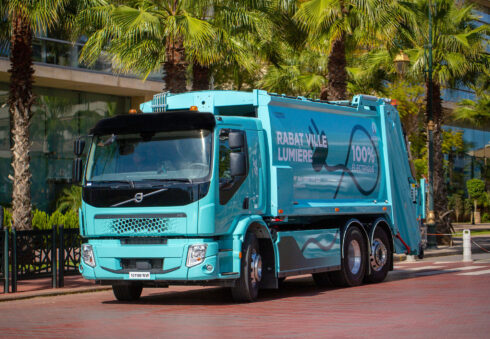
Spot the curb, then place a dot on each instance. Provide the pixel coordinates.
(51, 293)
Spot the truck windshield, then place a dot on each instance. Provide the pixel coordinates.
(175, 155)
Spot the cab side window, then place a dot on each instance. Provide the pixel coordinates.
(228, 184)
(224, 159)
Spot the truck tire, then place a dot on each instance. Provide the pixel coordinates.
(381, 257)
(246, 288)
(127, 291)
(353, 264)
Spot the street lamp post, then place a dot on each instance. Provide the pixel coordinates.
(431, 221)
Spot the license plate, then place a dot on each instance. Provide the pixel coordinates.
(139, 275)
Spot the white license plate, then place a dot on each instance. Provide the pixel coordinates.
(139, 275)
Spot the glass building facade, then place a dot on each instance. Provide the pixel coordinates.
(59, 116)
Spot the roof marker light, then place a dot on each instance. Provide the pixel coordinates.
(193, 108)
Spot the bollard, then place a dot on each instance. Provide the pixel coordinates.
(410, 258)
(466, 246)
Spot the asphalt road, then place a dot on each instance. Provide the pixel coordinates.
(433, 298)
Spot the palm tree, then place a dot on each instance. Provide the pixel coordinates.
(477, 112)
(458, 57)
(299, 73)
(140, 36)
(196, 34)
(26, 18)
(71, 199)
(336, 24)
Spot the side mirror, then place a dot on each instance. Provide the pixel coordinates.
(77, 170)
(238, 165)
(236, 139)
(78, 147)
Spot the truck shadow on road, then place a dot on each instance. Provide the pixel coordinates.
(294, 287)
(299, 287)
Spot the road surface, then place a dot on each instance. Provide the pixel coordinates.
(433, 298)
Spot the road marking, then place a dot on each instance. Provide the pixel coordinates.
(476, 273)
(422, 268)
(444, 262)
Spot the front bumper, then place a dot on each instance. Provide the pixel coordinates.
(110, 254)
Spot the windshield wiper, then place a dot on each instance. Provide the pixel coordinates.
(129, 182)
(171, 180)
(138, 197)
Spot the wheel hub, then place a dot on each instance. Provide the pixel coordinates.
(255, 267)
(354, 257)
(379, 255)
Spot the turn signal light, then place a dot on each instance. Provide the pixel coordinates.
(133, 111)
(337, 209)
(193, 108)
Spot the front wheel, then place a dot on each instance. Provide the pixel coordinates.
(127, 291)
(381, 257)
(353, 264)
(246, 288)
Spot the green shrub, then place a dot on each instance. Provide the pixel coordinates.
(71, 219)
(7, 218)
(485, 217)
(56, 219)
(43, 221)
(39, 220)
(476, 189)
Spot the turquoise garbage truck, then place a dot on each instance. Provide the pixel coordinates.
(244, 189)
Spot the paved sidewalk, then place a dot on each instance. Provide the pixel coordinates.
(43, 287)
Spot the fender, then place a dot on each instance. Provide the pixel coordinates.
(377, 224)
(254, 222)
(363, 230)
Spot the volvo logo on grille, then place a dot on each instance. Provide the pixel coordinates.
(138, 197)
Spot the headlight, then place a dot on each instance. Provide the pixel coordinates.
(88, 255)
(196, 254)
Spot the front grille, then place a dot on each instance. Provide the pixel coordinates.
(139, 225)
(147, 225)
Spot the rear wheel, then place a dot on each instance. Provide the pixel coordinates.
(127, 291)
(353, 264)
(246, 288)
(381, 255)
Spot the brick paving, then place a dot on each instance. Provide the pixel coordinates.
(428, 299)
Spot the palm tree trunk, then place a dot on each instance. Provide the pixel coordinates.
(20, 102)
(440, 194)
(200, 77)
(175, 67)
(337, 73)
